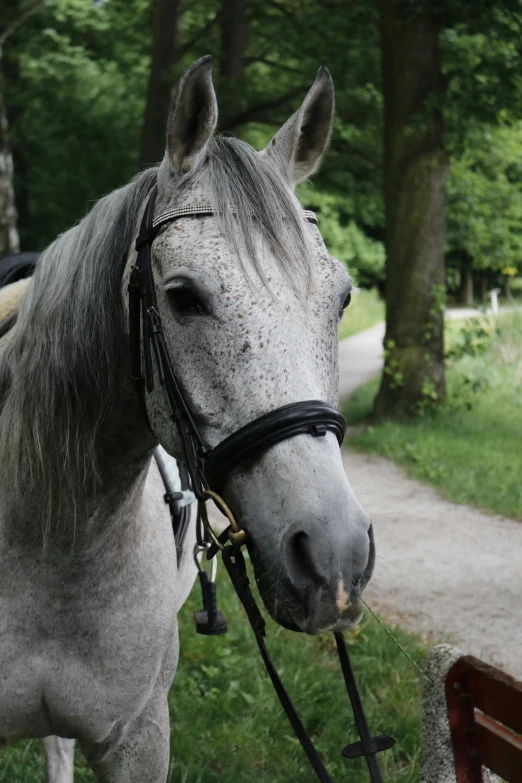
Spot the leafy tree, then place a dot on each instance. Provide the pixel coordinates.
(415, 170)
(82, 76)
(75, 97)
(481, 56)
(13, 14)
(442, 62)
(484, 205)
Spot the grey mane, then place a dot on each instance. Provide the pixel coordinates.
(65, 356)
(65, 359)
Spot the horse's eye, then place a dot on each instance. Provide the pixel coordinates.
(345, 304)
(186, 301)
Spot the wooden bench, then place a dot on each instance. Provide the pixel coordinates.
(485, 718)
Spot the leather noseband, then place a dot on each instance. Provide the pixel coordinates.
(248, 443)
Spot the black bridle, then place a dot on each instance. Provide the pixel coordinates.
(209, 468)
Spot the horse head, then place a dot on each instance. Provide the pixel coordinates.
(250, 302)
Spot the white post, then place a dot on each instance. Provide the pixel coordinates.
(493, 295)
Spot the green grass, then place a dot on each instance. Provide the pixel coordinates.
(471, 449)
(365, 310)
(226, 721)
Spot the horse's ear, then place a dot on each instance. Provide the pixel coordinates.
(299, 145)
(193, 118)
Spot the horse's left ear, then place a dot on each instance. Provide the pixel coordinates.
(299, 145)
(193, 118)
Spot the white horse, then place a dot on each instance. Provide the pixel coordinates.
(250, 302)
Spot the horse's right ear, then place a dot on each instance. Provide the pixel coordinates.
(193, 118)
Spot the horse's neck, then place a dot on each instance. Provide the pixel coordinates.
(124, 448)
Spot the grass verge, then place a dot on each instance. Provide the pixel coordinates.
(471, 448)
(366, 309)
(226, 723)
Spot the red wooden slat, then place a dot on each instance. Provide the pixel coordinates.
(500, 750)
(461, 716)
(495, 693)
(485, 715)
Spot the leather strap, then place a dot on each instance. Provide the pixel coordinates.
(311, 417)
(235, 565)
(180, 515)
(368, 746)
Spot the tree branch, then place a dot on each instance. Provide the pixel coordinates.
(252, 112)
(281, 9)
(272, 64)
(290, 15)
(200, 33)
(15, 24)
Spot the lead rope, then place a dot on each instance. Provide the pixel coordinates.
(397, 643)
(234, 561)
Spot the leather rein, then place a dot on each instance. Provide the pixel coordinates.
(208, 470)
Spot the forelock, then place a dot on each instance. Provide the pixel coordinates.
(256, 209)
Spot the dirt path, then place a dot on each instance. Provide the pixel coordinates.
(360, 359)
(447, 570)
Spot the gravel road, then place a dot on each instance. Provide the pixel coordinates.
(446, 570)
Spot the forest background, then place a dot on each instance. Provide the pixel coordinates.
(427, 92)
(85, 88)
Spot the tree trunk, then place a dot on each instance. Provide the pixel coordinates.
(507, 289)
(233, 39)
(484, 286)
(466, 288)
(166, 53)
(415, 171)
(9, 240)
(233, 42)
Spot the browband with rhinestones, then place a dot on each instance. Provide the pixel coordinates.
(195, 210)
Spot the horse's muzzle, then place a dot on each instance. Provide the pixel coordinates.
(320, 583)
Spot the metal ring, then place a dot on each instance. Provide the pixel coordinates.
(237, 535)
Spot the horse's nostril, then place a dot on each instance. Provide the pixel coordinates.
(301, 567)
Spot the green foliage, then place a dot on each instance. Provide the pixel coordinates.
(480, 59)
(436, 312)
(75, 104)
(484, 208)
(77, 72)
(76, 75)
(226, 720)
(470, 449)
(392, 367)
